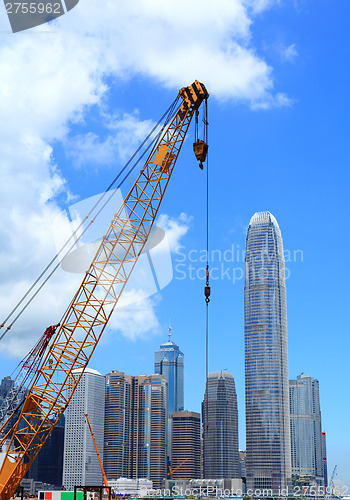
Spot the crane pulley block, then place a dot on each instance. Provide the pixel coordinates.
(200, 149)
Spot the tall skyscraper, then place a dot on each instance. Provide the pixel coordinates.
(117, 425)
(169, 361)
(186, 445)
(136, 427)
(80, 462)
(150, 405)
(266, 357)
(305, 429)
(220, 427)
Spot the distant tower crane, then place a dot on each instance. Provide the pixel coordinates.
(96, 298)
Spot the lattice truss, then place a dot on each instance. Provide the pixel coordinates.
(95, 300)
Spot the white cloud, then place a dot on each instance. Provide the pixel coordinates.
(51, 77)
(289, 53)
(125, 133)
(260, 5)
(175, 228)
(278, 100)
(137, 320)
(175, 42)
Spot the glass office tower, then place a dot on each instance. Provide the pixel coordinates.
(169, 361)
(266, 357)
(220, 427)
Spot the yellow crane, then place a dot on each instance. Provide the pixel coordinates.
(88, 313)
(105, 481)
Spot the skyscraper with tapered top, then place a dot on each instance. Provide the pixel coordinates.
(266, 357)
(169, 361)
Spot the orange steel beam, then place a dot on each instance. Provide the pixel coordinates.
(95, 300)
(98, 454)
(171, 471)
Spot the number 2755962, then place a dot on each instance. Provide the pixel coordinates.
(33, 8)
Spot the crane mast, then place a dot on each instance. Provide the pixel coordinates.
(95, 300)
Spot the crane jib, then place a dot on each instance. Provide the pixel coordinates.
(93, 304)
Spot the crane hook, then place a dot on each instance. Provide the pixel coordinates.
(207, 287)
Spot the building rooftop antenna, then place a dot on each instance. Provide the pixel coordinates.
(169, 328)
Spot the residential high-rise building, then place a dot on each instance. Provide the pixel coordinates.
(169, 361)
(136, 427)
(266, 357)
(305, 429)
(152, 404)
(117, 424)
(186, 445)
(220, 427)
(80, 462)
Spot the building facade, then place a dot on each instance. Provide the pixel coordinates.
(5, 387)
(136, 427)
(186, 445)
(324, 460)
(80, 462)
(306, 430)
(152, 424)
(117, 425)
(220, 427)
(266, 357)
(242, 465)
(11, 397)
(48, 465)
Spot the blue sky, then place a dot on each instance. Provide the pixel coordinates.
(79, 95)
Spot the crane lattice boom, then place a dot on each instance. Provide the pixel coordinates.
(95, 300)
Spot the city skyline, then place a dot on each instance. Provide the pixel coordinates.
(124, 407)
